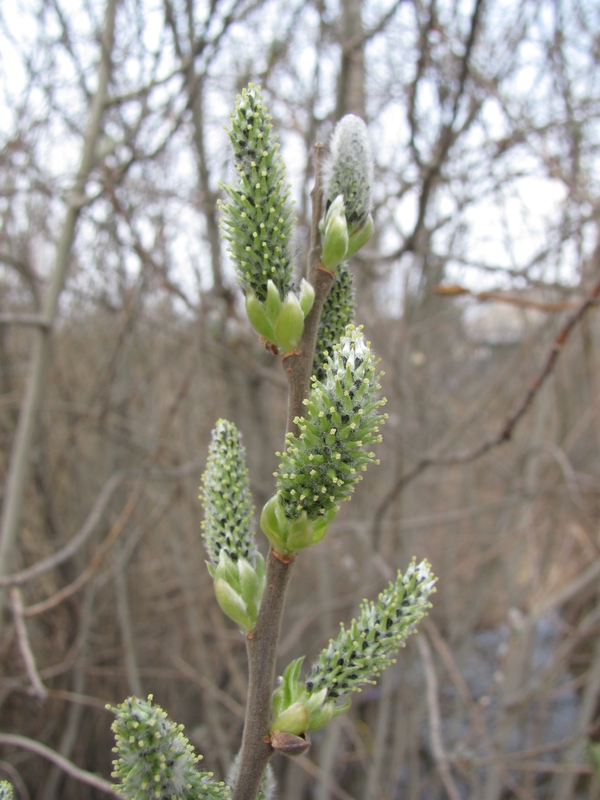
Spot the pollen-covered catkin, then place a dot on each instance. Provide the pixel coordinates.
(154, 758)
(359, 653)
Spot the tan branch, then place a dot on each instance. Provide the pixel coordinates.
(24, 644)
(15, 740)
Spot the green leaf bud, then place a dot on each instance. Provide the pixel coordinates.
(295, 709)
(349, 170)
(288, 536)
(225, 493)
(272, 523)
(280, 322)
(335, 238)
(252, 584)
(238, 589)
(154, 758)
(307, 296)
(358, 654)
(289, 325)
(273, 303)
(259, 316)
(232, 604)
(321, 716)
(337, 314)
(293, 720)
(360, 236)
(257, 216)
(320, 467)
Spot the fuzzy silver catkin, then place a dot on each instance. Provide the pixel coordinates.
(349, 170)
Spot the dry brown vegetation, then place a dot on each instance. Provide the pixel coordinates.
(143, 347)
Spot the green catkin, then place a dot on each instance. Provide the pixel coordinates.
(257, 217)
(6, 791)
(337, 314)
(361, 652)
(320, 467)
(154, 760)
(225, 493)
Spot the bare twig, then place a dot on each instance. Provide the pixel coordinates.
(454, 290)
(208, 686)
(90, 570)
(24, 319)
(127, 640)
(437, 746)
(309, 766)
(74, 543)
(507, 429)
(13, 739)
(24, 644)
(21, 449)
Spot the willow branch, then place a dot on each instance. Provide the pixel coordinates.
(262, 643)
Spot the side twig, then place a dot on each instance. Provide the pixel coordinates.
(79, 539)
(433, 708)
(13, 739)
(508, 428)
(24, 644)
